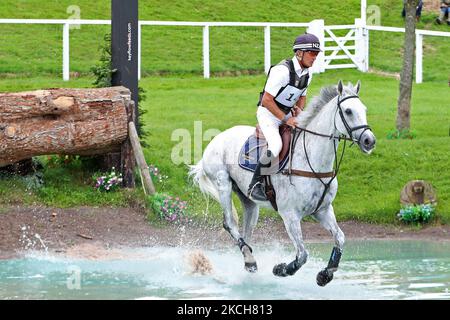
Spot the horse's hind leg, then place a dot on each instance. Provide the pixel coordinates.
(293, 228)
(251, 213)
(328, 221)
(224, 186)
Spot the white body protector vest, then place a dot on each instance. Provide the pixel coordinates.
(288, 95)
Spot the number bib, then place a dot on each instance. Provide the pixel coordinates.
(288, 96)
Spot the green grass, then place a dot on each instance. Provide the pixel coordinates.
(178, 50)
(369, 186)
(64, 186)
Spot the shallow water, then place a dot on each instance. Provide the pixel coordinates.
(368, 270)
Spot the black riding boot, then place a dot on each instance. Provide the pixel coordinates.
(256, 189)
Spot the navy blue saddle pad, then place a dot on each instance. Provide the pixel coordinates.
(252, 150)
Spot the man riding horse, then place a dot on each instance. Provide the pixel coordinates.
(283, 98)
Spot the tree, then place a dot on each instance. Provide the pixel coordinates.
(406, 77)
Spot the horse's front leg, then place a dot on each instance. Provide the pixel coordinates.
(327, 219)
(292, 224)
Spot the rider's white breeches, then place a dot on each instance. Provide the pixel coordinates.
(269, 125)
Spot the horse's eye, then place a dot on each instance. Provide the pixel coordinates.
(348, 112)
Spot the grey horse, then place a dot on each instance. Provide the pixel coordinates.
(337, 112)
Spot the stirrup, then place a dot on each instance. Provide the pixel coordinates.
(250, 192)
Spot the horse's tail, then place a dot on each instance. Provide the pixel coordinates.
(202, 181)
(207, 186)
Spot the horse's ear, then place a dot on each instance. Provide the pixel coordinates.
(340, 87)
(358, 86)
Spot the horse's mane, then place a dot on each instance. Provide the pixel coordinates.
(318, 102)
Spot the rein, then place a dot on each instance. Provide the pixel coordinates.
(331, 137)
(320, 175)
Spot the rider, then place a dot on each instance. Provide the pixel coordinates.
(283, 99)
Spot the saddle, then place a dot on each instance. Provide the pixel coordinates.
(255, 145)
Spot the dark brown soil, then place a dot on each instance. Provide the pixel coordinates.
(63, 229)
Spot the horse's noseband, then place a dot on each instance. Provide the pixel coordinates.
(346, 125)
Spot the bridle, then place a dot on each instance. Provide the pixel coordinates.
(296, 135)
(345, 123)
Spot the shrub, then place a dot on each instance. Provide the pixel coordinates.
(401, 134)
(109, 182)
(62, 160)
(416, 213)
(169, 208)
(103, 72)
(156, 174)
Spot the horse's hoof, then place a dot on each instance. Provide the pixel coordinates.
(280, 270)
(324, 277)
(251, 267)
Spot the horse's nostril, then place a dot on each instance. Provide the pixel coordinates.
(366, 141)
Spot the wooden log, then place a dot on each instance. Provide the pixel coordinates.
(62, 121)
(140, 160)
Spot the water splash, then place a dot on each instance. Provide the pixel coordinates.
(369, 270)
(31, 242)
(37, 236)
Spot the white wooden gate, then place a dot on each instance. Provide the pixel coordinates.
(336, 48)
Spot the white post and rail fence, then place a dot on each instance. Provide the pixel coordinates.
(358, 33)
